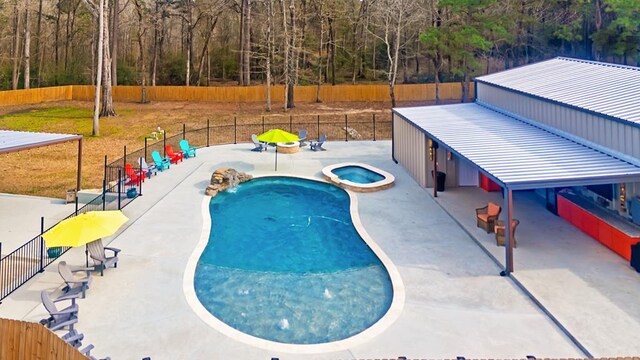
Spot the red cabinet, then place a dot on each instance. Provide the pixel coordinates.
(598, 229)
(487, 185)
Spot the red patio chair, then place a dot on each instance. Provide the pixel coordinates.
(175, 156)
(135, 176)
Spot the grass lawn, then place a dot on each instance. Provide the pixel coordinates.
(49, 171)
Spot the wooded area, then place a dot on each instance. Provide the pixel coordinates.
(299, 42)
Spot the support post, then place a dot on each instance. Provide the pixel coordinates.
(76, 203)
(142, 176)
(124, 157)
(79, 179)
(290, 123)
(434, 146)
(318, 126)
(105, 167)
(184, 131)
(235, 130)
(508, 232)
(41, 244)
(164, 143)
(145, 148)
(263, 124)
(104, 194)
(208, 128)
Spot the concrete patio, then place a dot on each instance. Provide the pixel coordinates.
(456, 303)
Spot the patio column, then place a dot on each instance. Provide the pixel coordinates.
(434, 147)
(508, 234)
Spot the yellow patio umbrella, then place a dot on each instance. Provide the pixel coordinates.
(84, 228)
(276, 136)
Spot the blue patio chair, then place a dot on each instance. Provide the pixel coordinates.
(317, 145)
(302, 134)
(160, 162)
(259, 145)
(148, 169)
(188, 151)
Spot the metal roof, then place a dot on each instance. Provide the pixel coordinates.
(11, 141)
(607, 89)
(514, 153)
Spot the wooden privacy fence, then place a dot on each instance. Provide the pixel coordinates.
(328, 93)
(26, 340)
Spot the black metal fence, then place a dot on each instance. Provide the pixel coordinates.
(233, 130)
(17, 267)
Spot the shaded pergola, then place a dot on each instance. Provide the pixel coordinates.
(14, 141)
(518, 154)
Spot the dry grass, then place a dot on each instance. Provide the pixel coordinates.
(49, 171)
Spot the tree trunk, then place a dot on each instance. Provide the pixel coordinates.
(269, 51)
(114, 42)
(189, 49)
(286, 54)
(245, 43)
(39, 51)
(16, 47)
(56, 46)
(293, 58)
(107, 96)
(141, 48)
(27, 46)
(357, 38)
(96, 104)
(320, 67)
(598, 23)
(205, 49)
(332, 49)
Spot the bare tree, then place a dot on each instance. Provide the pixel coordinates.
(16, 46)
(270, 50)
(27, 45)
(114, 42)
(391, 18)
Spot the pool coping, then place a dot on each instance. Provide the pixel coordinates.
(392, 314)
(385, 183)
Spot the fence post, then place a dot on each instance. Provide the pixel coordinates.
(164, 143)
(318, 126)
(119, 188)
(291, 123)
(184, 130)
(346, 126)
(124, 162)
(104, 194)
(76, 204)
(105, 167)
(41, 244)
(263, 124)
(207, 132)
(140, 181)
(145, 148)
(374, 126)
(235, 130)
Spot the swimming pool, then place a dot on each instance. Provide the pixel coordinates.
(284, 263)
(358, 177)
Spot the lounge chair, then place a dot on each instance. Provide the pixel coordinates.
(174, 156)
(160, 162)
(487, 216)
(87, 352)
(59, 319)
(259, 145)
(97, 253)
(188, 151)
(302, 134)
(148, 169)
(75, 284)
(499, 229)
(317, 145)
(73, 338)
(135, 176)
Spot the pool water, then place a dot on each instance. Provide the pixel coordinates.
(285, 263)
(357, 174)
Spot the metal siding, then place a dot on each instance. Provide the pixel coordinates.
(514, 152)
(409, 146)
(15, 140)
(605, 89)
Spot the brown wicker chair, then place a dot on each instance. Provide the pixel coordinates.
(499, 229)
(486, 216)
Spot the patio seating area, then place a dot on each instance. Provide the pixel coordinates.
(456, 303)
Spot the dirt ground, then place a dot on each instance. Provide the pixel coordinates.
(49, 171)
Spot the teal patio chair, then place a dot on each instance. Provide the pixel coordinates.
(188, 151)
(160, 162)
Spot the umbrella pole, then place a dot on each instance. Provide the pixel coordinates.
(276, 157)
(86, 254)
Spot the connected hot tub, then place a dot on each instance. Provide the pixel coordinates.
(358, 177)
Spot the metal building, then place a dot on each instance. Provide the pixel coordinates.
(557, 124)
